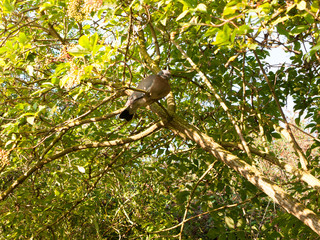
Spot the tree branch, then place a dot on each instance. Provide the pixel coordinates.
(40, 164)
(285, 200)
(253, 175)
(302, 175)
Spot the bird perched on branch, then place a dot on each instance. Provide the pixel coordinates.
(153, 88)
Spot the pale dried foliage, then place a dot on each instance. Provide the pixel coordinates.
(4, 159)
(74, 75)
(79, 8)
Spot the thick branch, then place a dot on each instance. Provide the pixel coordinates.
(302, 175)
(144, 54)
(290, 204)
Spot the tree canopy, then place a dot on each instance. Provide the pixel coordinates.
(218, 158)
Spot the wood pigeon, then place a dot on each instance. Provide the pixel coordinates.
(155, 87)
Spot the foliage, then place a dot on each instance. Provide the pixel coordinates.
(69, 168)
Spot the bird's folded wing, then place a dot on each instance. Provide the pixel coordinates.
(145, 84)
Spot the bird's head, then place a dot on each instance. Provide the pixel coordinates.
(165, 74)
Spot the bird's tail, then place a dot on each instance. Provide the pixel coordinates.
(126, 115)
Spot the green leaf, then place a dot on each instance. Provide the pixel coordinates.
(229, 221)
(76, 93)
(30, 120)
(94, 39)
(314, 49)
(290, 7)
(3, 50)
(211, 32)
(81, 169)
(302, 5)
(182, 196)
(265, 7)
(213, 233)
(164, 21)
(201, 8)
(96, 48)
(47, 85)
(187, 3)
(2, 64)
(22, 38)
(282, 30)
(29, 70)
(41, 108)
(79, 51)
(182, 15)
(280, 20)
(93, 42)
(54, 80)
(229, 11)
(311, 125)
(57, 193)
(299, 29)
(309, 18)
(231, 59)
(315, 6)
(61, 68)
(252, 45)
(40, 91)
(88, 69)
(232, 7)
(276, 135)
(8, 6)
(84, 42)
(223, 36)
(45, 6)
(64, 80)
(244, 29)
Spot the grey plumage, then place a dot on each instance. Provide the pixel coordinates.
(155, 87)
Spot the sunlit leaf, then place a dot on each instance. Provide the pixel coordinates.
(22, 38)
(182, 15)
(314, 49)
(201, 7)
(299, 29)
(8, 6)
(79, 51)
(81, 169)
(280, 20)
(84, 42)
(230, 222)
(30, 70)
(64, 80)
(302, 5)
(30, 120)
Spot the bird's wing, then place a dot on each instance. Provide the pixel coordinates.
(145, 84)
(160, 88)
